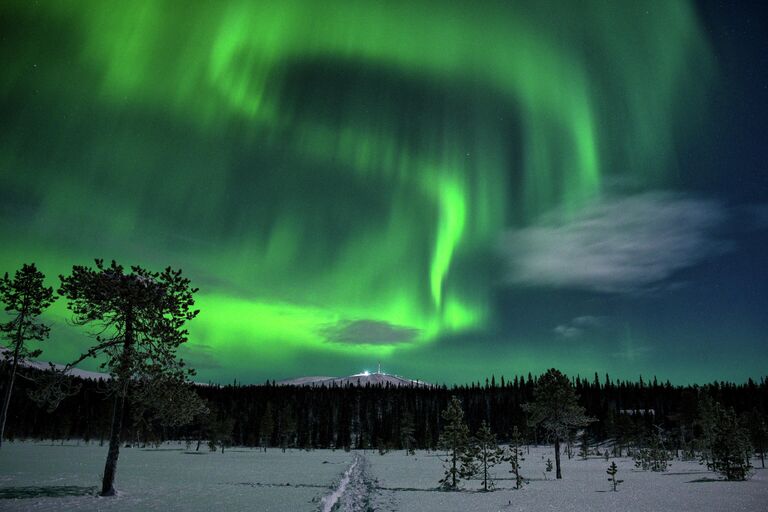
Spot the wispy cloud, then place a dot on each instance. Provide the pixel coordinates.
(369, 332)
(576, 327)
(622, 244)
(200, 356)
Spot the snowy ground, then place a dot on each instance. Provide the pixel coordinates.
(38, 476)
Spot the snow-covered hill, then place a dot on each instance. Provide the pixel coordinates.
(358, 379)
(42, 365)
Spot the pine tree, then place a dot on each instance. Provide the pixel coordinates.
(222, 433)
(612, 470)
(454, 439)
(141, 316)
(287, 428)
(730, 446)
(407, 429)
(707, 416)
(266, 427)
(584, 445)
(487, 454)
(654, 456)
(25, 298)
(515, 457)
(556, 409)
(759, 434)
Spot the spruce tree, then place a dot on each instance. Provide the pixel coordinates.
(454, 439)
(707, 417)
(140, 316)
(407, 429)
(612, 470)
(653, 456)
(759, 434)
(25, 298)
(515, 457)
(487, 454)
(287, 428)
(555, 408)
(266, 427)
(730, 446)
(584, 445)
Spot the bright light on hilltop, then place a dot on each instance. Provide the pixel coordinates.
(366, 373)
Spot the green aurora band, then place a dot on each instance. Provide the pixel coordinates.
(326, 170)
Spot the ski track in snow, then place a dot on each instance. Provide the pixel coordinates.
(354, 490)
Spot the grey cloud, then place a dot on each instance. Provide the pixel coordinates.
(568, 331)
(624, 244)
(199, 356)
(578, 326)
(369, 332)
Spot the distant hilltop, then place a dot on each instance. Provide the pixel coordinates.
(358, 379)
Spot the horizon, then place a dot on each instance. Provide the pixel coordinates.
(602, 376)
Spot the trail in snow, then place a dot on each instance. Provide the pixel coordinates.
(354, 490)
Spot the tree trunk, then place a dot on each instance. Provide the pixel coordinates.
(12, 379)
(110, 467)
(453, 465)
(558, 474)
(7, 398)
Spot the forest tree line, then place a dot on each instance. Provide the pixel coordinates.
(391, 418)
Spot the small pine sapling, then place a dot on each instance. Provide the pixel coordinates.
(486, 454)
(454, 440)
(612, 470)
(515, 457)
(549, 465)
(584, 445)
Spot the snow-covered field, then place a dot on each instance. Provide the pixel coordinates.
(39, 476)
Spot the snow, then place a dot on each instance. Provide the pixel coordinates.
(332, 499)
(358, 379)
(172, 479)
(409, 484)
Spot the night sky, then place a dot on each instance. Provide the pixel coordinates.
(455, 189)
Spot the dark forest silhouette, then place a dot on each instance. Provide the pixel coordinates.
(372, 417)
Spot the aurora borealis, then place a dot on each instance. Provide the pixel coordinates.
(348, 182)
